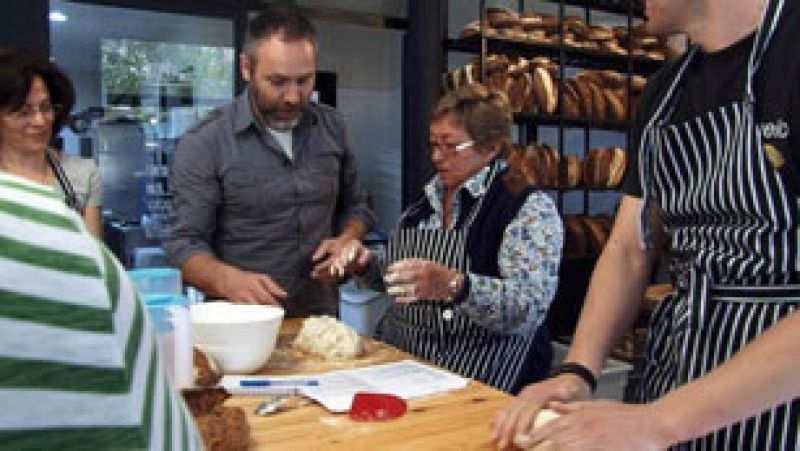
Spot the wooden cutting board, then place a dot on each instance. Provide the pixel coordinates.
(287, 360)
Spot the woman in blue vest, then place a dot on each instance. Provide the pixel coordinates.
(473, 265)
(716, 171)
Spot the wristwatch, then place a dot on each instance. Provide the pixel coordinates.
(454, 286)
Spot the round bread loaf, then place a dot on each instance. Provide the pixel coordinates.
(598, 33)
(534, 166)
(502, 17)
(550, 157)
(613, 47)
(617, 166)
(549, 22)
(515, 157)
(587, 168)
(538, 36)
(596, 234)
(529, 105)
(572, 102)
(544, 90)
(637, 83)
(569, 174)
(602, 167)
(471, 29)
(585, 97)
(575, 24)
(530, 20)
(575, 242)
(615, 109)
(519, 89)
(598, 101)
(611, 79)
(592, 76)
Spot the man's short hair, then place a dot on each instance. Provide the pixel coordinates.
(285, 20)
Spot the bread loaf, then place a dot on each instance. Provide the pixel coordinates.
(544, 90)
(471, 29)
(617, 166)
(615, 109)
(575, 241)
(572, 103)
(585, 97)
(569, 175)
(596, 233)
(550, 158)
(502, 17)
(519, 88)
(598, 101)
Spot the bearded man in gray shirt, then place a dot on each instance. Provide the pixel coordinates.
(262, 184)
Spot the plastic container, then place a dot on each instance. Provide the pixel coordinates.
(169, 315)
(611, 383)
(157, 281)
(361, 309)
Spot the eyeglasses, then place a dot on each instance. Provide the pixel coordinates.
(28, 112)
(449, 148)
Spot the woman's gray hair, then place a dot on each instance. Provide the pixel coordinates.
(484, 113)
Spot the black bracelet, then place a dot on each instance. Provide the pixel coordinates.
(578, 370)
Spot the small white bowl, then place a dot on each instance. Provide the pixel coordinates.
(239, 337)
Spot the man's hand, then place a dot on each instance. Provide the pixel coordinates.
(517, 418)
(250, 288)
(337, 257)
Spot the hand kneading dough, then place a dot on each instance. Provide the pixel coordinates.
(523, 441)
(325, 336)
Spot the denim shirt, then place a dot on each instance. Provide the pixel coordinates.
(239, 197)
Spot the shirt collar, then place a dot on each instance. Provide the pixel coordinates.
(476, 185)
(243, 117)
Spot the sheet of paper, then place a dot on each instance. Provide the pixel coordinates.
(406, 379)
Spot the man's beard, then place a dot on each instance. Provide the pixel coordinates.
(269, 113)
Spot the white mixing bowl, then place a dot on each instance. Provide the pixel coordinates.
(240, 337)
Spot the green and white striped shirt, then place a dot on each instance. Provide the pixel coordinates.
(78, 360)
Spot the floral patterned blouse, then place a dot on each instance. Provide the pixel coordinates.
(528, 260)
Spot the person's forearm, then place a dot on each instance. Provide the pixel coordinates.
(759, 376)
(206, 273)
(614, 298)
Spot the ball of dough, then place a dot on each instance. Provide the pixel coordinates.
(329, 338)
(523, 441)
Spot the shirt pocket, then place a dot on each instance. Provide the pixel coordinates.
(324, 173)
(249, 191)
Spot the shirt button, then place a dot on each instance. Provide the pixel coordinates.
(447, 315)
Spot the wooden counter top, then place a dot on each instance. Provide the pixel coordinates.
(457, 420)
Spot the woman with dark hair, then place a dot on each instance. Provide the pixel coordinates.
(35, 100)
(473, 265)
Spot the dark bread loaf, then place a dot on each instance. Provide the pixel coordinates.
(575, 241)
(572, 102)
(597, 234)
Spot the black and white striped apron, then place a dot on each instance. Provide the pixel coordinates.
(443, 333)
(733, 225)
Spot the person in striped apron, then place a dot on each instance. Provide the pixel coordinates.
(473, 265)
(715, 178)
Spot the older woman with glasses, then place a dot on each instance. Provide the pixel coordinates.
(473, 264)
(35, 100)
